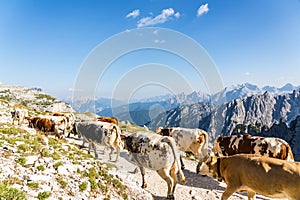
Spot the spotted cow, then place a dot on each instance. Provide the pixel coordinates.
(247, 144)
(192, 140)
(100, 133)
(70, 121)
(19, 115)
(157, 153)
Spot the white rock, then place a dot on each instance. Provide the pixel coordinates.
(30, 160)
(37, 177)
(45, 188)
(192, 192)
(62, 170)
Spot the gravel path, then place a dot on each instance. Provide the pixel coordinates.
(196, 187)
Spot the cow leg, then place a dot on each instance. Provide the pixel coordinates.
(118, 152)
(199, 166)
(228, 192)
(111, 151)
(182, 164)
(144, 184)
(95, 150)
(82, 146)
(166, 176)
(173, 172)
(89, 149)
(251, 195)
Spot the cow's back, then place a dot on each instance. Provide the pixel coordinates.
(150, 150)
(92, 132)
(264, 175)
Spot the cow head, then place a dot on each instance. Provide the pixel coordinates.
(209, 168)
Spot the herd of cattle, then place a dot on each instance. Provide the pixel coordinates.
(244, 162)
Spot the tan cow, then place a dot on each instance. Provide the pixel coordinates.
(267, 176)
(193, 140)
(247, 144)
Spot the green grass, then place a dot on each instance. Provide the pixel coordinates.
(12, 130)
(21, 161)
(41, 168)
(56, 165)
(9, 193)
(62, 182)
(43, 195)
(82, 186)
(109, 165)
(23, 147)
(33, 185)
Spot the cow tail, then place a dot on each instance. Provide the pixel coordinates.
(206, 139)
(290, 156)
(117, 141)
(172, 144)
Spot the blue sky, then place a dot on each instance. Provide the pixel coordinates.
(44, 43)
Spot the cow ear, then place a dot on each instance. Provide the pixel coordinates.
(214, 159)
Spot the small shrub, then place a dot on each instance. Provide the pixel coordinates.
(93, 174)
(56, 165)
(62, 183)
(33, 185)
(82, 186)
(93, 183)
(55, 156)
(21, 161)
(43, 195)
(45, 152)
(41, 168)
(23, 147)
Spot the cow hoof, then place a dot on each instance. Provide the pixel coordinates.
(170, 197)
(144, 186)
(182, 167)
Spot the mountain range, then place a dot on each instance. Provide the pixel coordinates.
(143, 111)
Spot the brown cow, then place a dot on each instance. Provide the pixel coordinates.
(270, 177)
(236, 144)
(48, 125)
(70, 125)
(113, 120)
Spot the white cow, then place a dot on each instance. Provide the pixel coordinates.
(193, 140)
(19, 114)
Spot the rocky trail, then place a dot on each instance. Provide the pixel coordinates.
(196, 187)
